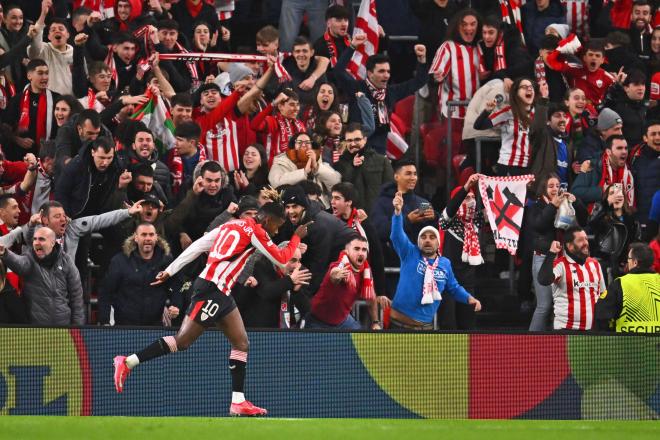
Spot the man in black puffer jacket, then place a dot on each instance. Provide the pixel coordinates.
(92, 182)
(327, 234)
(127, 285)
(628, 102)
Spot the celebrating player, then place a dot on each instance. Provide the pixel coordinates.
(230, 246)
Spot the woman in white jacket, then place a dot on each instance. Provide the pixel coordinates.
(302, 161)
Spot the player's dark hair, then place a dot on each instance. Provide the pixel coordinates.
(272, 209)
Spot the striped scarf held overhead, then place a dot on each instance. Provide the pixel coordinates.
(354, 223)
(191, 66)
(510, 10)
(471, 248)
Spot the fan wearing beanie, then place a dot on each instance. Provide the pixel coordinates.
(425, 277)
(327, 234)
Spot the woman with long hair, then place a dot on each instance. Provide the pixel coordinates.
(328, 134)
(327, 99)
(514, 122)
(614, 227)
(542, 215)
(66, 106)
(252, 176)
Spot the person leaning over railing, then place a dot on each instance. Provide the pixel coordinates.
(425, 275)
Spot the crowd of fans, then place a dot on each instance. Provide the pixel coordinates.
(564, 90)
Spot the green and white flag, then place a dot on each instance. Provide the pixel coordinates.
(156, 117)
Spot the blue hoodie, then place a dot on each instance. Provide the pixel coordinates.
(408, 296)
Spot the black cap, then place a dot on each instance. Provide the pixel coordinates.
(151, 198)
(247, 203)
(295, 195)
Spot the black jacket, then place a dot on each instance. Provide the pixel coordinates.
(202, 209)
(633, 114)
(325, 238)
(612, 236)
(129, 160)
(394, 93)
(368, 178)
(68, 143)
(126, 287)
(542, 217)
(260, 305)
(645, 166)
(74, 187)
(12, 306)
(518, 61)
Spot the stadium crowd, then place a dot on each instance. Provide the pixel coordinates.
(106, 127)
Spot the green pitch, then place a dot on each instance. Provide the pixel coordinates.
(186, 428)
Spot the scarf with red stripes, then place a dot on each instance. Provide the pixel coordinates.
(281, 73)
(175, 164)
(379, 95)
(191, 66)
(332, 47)
(471, 248)
(499, 58)
(354, 223)
(287, 128)
(620, 175)
(112, 65)
(510, 10)
(368, 292)
(44, 114)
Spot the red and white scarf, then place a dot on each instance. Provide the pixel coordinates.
(510, 11)
(279, 69)
(91, 102)
(354, 223)
(379, 96)
(112, 65)
(499, 56)
(287, 128)
(430, 290)
(620, 175)
(190, 65)
(176, 167)
(332, 47)
(471, 248)
(368, 292)
(44, 114)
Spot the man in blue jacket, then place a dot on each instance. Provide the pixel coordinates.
(424, 277)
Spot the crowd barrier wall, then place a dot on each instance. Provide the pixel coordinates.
(62, 371)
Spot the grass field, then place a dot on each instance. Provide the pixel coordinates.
(186, 428)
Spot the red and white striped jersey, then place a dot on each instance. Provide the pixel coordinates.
(577, 16)
(219, 135)
(575, 291)
(229, 246)
(516, 149)
(458, 66)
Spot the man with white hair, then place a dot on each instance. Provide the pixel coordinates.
(424, 276)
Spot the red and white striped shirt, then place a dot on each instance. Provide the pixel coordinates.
(229, 246)
(575, 291)
(577, 16)
(458, 66)
(219, 135)
(515, 150)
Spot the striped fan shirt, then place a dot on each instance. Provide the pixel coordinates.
(577, 16)
(575, 291)
(220, 133)
(458, 66)
(515, 150)
(229, 247)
